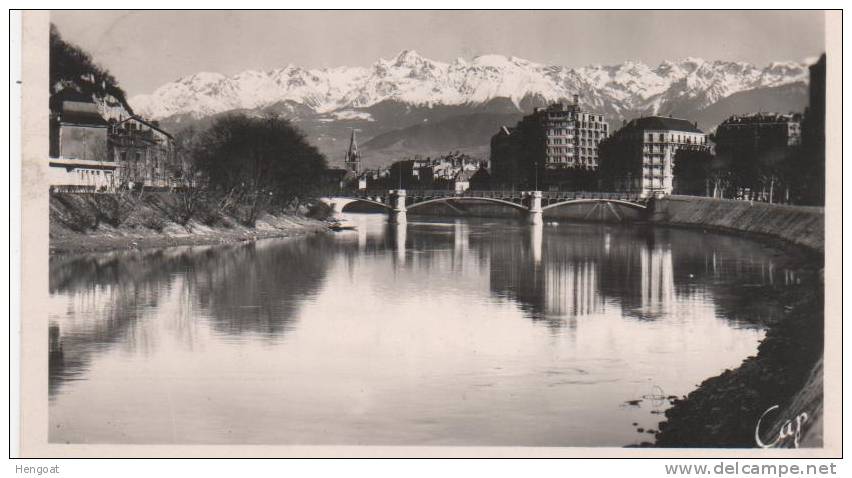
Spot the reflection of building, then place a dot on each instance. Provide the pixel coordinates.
(571, 289)
(657, 284)
(640, 156)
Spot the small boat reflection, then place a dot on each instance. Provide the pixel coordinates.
(342, 226)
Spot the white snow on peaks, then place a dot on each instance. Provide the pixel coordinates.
(413, 79)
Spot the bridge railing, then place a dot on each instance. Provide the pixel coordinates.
(548, 196)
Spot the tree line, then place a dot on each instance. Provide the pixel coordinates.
(244, 165)
(784, 174)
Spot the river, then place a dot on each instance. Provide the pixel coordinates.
(441, 332)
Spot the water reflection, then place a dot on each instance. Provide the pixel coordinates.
(103, 299)
(412, 316)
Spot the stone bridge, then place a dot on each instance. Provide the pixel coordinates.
(399, 201)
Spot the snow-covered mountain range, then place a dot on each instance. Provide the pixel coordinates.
(412, 79)
(413, 105)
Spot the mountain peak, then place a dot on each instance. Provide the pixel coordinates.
(407, 58)
(411, 79)
(493, 60)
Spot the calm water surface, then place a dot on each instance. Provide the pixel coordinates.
(444, 332)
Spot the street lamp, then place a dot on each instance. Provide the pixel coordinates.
(536, 174)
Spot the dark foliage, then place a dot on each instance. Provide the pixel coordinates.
(70, 66)
(618, 168)
(249, 164)
(114, 209)
(692, 172)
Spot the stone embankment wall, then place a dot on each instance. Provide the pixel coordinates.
(801, 225)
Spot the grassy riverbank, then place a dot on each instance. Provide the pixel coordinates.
(80, 224)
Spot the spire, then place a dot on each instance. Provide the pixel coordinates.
(353, 148)
(353, 157)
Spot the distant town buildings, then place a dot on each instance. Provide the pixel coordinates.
(640, 156)
(461, 181)
(555, 146)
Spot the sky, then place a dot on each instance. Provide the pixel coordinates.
(147, 49)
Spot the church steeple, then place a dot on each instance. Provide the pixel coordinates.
(353, 157)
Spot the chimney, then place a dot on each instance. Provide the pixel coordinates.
(577, 100)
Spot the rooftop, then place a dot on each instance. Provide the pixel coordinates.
(146, 123)
(663, 123)
(763, 118)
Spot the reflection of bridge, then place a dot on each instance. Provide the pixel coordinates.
(534, 203)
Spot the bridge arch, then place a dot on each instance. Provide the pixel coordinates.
(468, 199)
(595, 200)
(339, 203)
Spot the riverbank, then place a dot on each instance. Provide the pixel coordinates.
(724, 411)
(786, 372)
(800, 225)
(74, 227)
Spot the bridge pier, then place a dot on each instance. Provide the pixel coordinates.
(398, 210)
(534, 216)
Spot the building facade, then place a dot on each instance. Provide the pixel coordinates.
(90, 152)
(78, 137)
(555, 147)
(143, 152)
(640, 156)
(813, 138)
(572, 136)
(759, 132)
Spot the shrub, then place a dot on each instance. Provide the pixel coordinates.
(153, 221)
(73, 214)
(113, 209)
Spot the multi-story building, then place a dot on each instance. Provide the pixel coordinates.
(572, 135)
(78, 154)
(553, 147)
(640, 156)
(755, 145)
(813, 138)
(758, 132)
(90, 151)
(143, 151)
